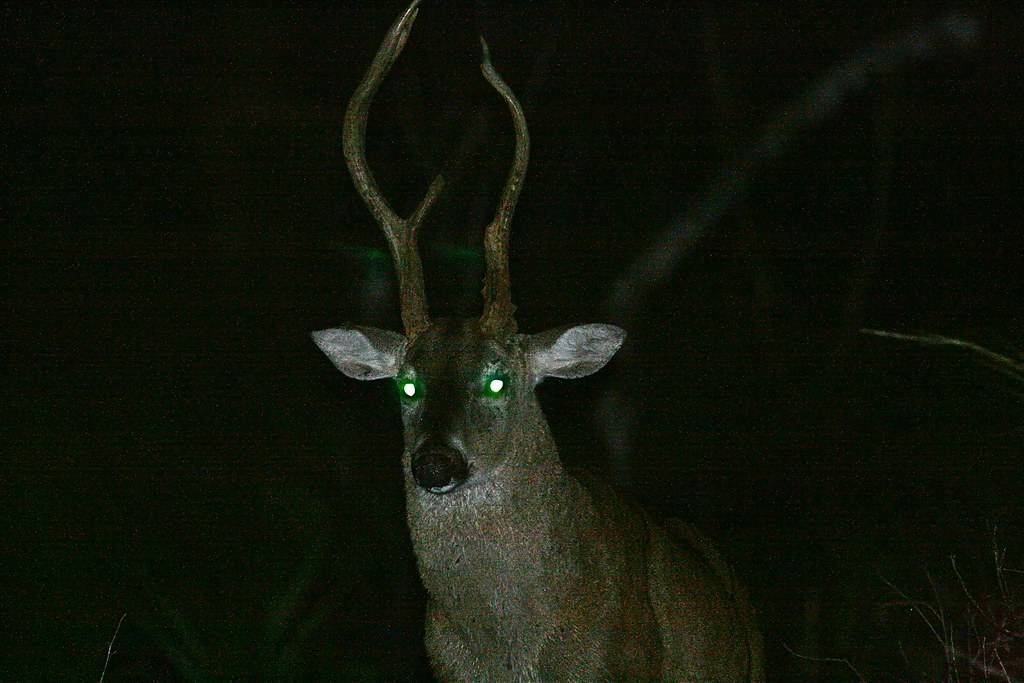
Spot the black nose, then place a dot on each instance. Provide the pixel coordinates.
(438, 468)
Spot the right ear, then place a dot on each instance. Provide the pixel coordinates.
(571, 352)
(362, 352)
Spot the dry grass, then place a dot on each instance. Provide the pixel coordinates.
(975, 624)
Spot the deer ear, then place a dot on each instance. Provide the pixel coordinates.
(575, 351)
(362, 352)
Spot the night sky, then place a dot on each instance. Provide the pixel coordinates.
(179, 217)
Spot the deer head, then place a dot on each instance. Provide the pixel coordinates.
(466, 386)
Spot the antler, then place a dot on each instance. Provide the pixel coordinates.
(498, 318)
(400, 232)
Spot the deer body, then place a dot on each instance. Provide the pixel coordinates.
(533, 574)
(570, 590)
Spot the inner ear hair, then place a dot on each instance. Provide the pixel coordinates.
(363, 353)
(572, 352)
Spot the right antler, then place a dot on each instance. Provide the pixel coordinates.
(498, 318)
(400, 232)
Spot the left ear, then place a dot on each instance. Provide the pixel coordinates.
(362, 352)
(573, 352)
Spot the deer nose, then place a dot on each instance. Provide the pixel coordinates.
(438, 468)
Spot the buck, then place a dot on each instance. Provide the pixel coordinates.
(533, 574)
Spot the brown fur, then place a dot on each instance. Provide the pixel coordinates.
(535, 575)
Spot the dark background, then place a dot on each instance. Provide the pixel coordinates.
(179, 217)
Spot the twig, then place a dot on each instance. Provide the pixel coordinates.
(948, 631)
(917, 606)
(1015, 368)
(831, 660)
(963, 585)
(110, 647)
(988, 669)
(1002, 666)
(998, 559)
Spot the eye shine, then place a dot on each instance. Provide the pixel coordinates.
(495, 385)
(408, 389)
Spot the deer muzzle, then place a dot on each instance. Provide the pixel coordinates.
(438, 468)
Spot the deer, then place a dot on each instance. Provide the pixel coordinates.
(532, 573)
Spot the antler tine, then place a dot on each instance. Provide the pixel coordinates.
(499, 312)
(400, 232)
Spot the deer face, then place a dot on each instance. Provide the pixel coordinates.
(468, 402)
(466, 386)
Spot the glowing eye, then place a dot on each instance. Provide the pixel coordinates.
(409, 389)
(495, 385)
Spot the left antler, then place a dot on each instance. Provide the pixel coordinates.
(400, 232)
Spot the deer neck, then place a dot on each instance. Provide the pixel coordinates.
(499, 549)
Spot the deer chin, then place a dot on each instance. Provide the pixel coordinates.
(477, 484)
(449, 490)
(478, 481)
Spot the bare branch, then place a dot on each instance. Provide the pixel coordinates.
(822, 99)
(829, 660)
(1014, 368)
(110, 646)
(919, 607)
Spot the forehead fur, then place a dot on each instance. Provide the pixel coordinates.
(452, 343)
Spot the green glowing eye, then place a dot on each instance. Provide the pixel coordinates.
(408, 389)
(495, 386)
